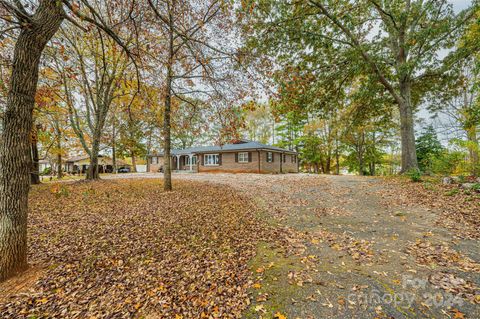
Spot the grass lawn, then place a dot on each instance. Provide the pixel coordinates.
(125, 248)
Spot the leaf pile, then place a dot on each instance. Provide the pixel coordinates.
(441, 255)
(125, 248)
(459, 211)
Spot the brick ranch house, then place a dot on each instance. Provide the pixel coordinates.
(240, 157)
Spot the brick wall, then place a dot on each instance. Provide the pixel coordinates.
(230, 165)
(289, 166)
(270, 167)
(153, 168)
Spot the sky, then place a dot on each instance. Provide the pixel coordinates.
(423, 116)
(460, 4)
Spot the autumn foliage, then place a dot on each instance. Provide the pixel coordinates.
(126, 248)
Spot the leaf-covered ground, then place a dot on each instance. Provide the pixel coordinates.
(457, 209)
(360, 247)
(122, 249)
(252, 246)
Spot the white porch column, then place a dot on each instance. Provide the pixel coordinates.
(191, 159)
(178, 162)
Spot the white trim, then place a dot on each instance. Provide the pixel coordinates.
(270, 160)
(244, 159)
(212, 156)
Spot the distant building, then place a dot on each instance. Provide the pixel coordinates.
(80, 164)
(240, 157)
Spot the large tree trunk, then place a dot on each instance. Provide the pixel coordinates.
(92, 172)
(361, 168)
(134, 162)
(14, 144)
(407, 130)
(35, 167)
(328, 163)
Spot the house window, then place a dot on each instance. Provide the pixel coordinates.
(294, 158)
(284, 158)
(269, 157)
(154, 160)
(243, 157)
(210, 160)
(194, 160)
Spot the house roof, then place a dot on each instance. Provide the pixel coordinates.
(240, 146)
(77, 158)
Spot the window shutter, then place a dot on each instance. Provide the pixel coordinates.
(220, 159)
(236, 157)
(249, 156)
(202, 159)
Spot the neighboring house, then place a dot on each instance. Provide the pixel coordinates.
(240, 157)
(43, 165)
(80, 164)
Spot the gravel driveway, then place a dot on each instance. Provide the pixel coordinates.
(351, 251)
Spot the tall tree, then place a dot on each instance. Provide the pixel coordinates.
(33, 24)
(458, 104)
(92, 81)
(428, 147)
(193, 62)
(398, 42)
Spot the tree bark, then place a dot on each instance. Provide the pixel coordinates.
(337, 156)
(409, 153)
(14, 144)
(134, 162)
(361, 169)
(167, 168)
(35, 167)
(114, 150)
(473, 150)
(92, 172)
(59, 154)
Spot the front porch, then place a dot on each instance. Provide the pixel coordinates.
(185, 163)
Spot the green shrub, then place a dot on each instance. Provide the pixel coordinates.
(46, 171)
(452, 192)
(415, 175)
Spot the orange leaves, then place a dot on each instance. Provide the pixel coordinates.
(128, 249)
